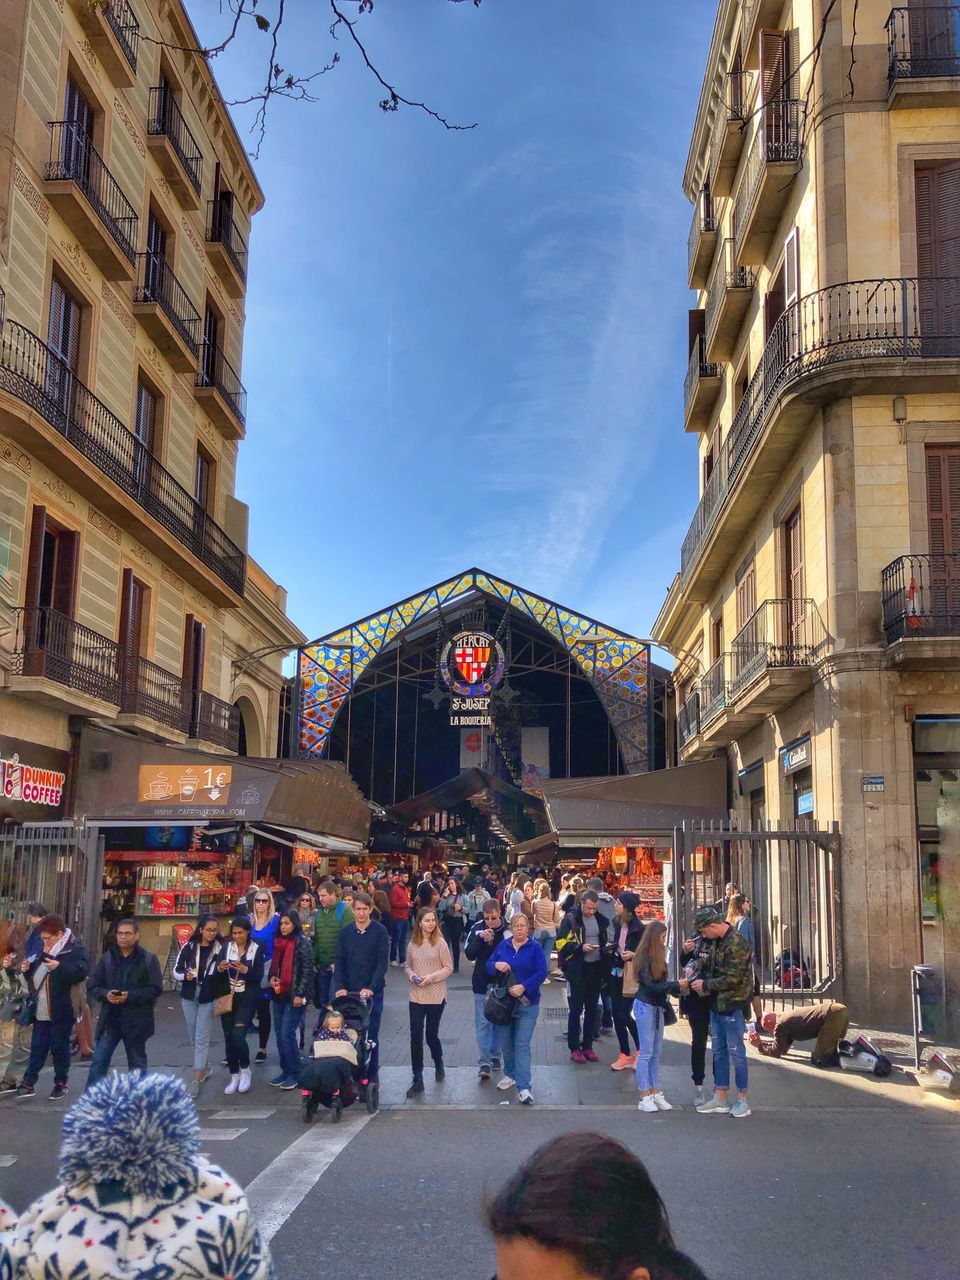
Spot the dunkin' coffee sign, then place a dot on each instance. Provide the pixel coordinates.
(30, 784)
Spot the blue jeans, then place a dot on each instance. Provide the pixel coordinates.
(324, 978)
(398, 940)
(514, 1040)
(486, 1034)
(649, 1020)
(726, 1036)
(107, 1041)
(199, 1020)
(287, 1018)
(53, 1038)
(373, 1034)
(546, 940)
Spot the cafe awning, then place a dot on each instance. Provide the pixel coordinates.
(125, 778)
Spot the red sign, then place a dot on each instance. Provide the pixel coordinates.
(472, 659)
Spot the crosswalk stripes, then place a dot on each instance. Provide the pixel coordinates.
(220, 1135)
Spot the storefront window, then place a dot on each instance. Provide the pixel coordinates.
(796, 763)
(936, 753)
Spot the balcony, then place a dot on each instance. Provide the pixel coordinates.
(865, 337)
(757, 15)
(115, 36)
(215, 723)
(227, 249)
(688, 718)
(161, 305)
(773, 655)
(65, 665)
(152, 700)
(765, 185)
(701, 387)
(220, 392)
(923, 47)
(920, 597)
(109, 465)
(729, 133)
(729, 294)
(88, 198)
(702, 241)
(174, 147)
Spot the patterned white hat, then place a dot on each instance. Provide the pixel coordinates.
(136, 1199)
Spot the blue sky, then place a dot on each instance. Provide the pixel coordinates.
(469, 348)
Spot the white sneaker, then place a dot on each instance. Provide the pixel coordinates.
(525, 1096)
(506, 1083)
(647, 1104)
(699, 1098)
(719, 1105)
(243, 1083)
(545, 983)
(662, 1103)
(232, 1085)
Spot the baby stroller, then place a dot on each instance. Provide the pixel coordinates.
(332, 1082)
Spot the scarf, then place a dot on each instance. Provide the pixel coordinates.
(281, 966)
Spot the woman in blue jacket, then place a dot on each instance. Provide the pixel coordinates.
(264, 921)
(524, 960)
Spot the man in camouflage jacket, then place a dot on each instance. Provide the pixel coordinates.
(728, 976)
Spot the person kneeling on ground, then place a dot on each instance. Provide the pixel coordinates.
(136, 1198)
(328, 1077)
(547, 1221)
(827, 1022)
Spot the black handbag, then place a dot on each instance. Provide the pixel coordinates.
(669, 1015)
(499, 1005)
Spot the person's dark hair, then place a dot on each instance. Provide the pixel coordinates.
(491, 905)
(36, 909)
(130, 922)
(294, 918)
(241, 922)
(202, 921)
(469, 883)
(590, 895)
(51, 924)
(363, 898)
(589, 1197)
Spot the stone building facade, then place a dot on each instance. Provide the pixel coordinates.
(126, 197)
(816, 614)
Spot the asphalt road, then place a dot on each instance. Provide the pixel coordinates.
(831, 1174)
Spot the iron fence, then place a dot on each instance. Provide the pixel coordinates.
(923, 41)
(125, 27)
(54, 647)
(217, 371)
(791, 877)
(35, 374)
(221, 229)
(726, 275)
(779, 634)
(46, 863)
(165, 118)
(704, 222)
(157, 283)
(698, 367)
(216, 721)
(156, 694)
(713, 691)
(777, 140)
(74, 158)
(688, 717)
(855, 320)
(920, 596)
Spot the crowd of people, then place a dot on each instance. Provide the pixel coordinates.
(316, 945)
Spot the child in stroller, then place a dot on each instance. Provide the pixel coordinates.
(336, 1075)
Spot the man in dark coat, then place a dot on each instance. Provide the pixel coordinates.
(128, 983)
(582, 951)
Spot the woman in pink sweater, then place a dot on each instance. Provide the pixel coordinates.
(428, 965)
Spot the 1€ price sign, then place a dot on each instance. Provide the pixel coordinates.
(184, 784)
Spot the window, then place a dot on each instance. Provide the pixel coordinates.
(194, 656)
(77, 133)
(134, 612)
(203, 483)
(145, 420)
(63, 325)
(716, 637)
(793, 579)
(937, 191)
(746, 592)
(943, 526)
(153, 282)
(51, 565)
(211, 343)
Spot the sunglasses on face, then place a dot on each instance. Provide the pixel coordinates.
(261, 899)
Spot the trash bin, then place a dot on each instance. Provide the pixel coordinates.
(928, 998)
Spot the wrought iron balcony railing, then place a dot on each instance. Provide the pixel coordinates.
(921, 597)
(735, 89)
(725, 275)
(216, 721)
(51, 646)
(780, 633)
(221, 229)
(154, 693)
(688, 717)
(125, 27)
(855, 321)
(217, 371)
(704, 222)
(924, 41)
(35, 374)
(166, 118)
(157, 283)
(73, 158)
(777, 140)
(698, 367)
(713, 691)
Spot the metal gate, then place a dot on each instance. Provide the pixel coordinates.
(43, 862)
(792, 880)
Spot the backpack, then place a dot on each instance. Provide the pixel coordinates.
(791, 973)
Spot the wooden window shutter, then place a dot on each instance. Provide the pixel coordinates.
(65, 573)
(791, 267)
(188, 625)
(924, 199)
(943, 499)
(746, 594)
(145, 422)
(200, 657)
(773, 65)
(794, 532)
(38, 528)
